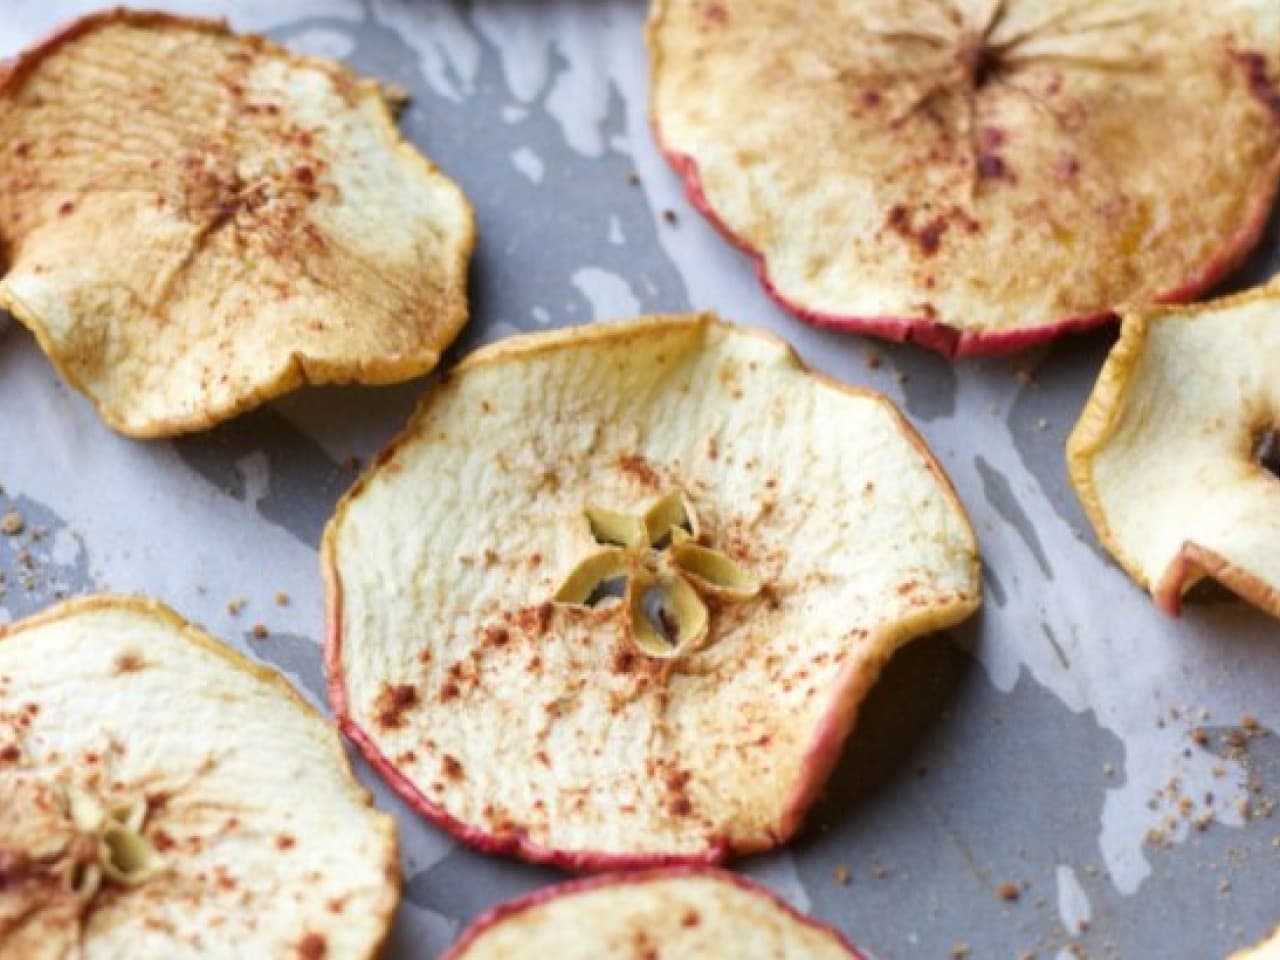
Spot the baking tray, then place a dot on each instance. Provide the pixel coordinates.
(1046, 744)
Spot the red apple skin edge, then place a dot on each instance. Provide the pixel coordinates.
(1194, 560)
(828, 744)
(548, 894)
(954, 343)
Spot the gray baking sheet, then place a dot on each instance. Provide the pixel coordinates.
(1047, 743)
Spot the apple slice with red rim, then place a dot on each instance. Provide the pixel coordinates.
(974, 177)
(615, 596)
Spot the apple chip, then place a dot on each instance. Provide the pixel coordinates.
(616, 594)
(974, 176)
(1175, 457)
(163, 796)
(194, 222)
(676, 914)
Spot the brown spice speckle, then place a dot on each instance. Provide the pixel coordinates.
(129, 662)
(312, 947)
(639, 468)
(393, 702)
(451, 767)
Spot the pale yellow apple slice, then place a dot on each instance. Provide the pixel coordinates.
(1172, 457)
(1270, 950)
(193, 222)
(975, 176)
(616, 594)
(161, 796)
(675, 914)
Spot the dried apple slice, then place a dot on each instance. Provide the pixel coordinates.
(974, 176)
(163, 796)
(1171, 455)
(193, 222)
(673, 913)
(616, 594)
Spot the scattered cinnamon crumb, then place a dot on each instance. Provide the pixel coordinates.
(12, 524)
(234, 607)
(842, 875)
(670, 216)
(873, 359)
(1008, 891)
(259, 631)
(959, 950)
(282, 599)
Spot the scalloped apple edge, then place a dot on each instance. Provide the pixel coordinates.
(1195, 562)
(953, 342)
(831, 731)
(1096, 423)
(196, 635)
(529, 901)
(297, 371)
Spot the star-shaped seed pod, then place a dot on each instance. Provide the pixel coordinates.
(655, 565)
(109, 844)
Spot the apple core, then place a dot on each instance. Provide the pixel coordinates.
(652, 568)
